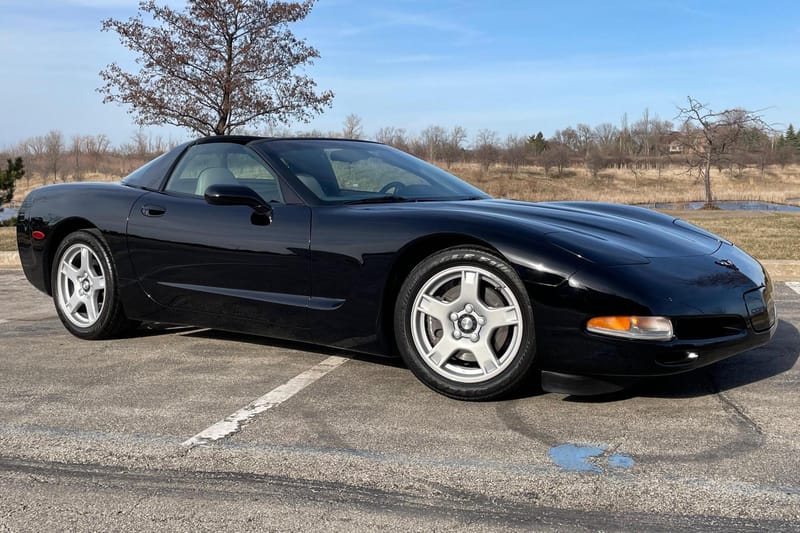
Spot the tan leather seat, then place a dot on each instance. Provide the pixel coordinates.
(214, 176)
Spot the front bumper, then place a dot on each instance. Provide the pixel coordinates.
(596, 356)
(717, 311)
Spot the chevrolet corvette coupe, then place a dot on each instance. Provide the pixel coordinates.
(356, 245)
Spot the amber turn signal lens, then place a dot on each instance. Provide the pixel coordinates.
(619, 323)
(654, 328)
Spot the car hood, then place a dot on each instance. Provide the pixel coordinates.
(599, 232)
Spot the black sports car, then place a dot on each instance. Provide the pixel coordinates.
(357, 245)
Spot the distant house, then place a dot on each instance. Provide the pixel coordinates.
(677, 143)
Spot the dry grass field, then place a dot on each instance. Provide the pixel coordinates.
(766, 235)
(8, 241)
(672, 184)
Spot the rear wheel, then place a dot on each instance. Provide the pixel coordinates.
(464, 324)
(84, 283)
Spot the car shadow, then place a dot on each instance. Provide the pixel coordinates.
(529, 387)
(291, 345)
(779, 356)
(156, 330)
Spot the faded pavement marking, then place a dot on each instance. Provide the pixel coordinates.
(585, 458)
(233, 423)
(794, 285)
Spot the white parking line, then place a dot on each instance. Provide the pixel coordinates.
(794, 285)
(277, 396)
(3, 321)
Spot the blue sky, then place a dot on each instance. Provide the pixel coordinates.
(510, 66)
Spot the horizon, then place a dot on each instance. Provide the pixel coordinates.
(517, 70)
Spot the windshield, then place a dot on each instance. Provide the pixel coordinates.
(361, 172)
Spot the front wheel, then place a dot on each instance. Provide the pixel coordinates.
(464, 324)
(84, 283)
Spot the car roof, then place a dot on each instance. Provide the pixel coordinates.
(247, 139)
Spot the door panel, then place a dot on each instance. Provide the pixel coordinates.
(222, 260)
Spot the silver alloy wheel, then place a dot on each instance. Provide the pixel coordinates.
(466, 324)
(80, 285)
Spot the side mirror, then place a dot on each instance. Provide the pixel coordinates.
(237, 195)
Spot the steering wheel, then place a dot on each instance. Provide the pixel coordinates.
(396, 185)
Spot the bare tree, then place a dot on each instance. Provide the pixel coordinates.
(433, 139)
(138, 147)
(594, 161)
(557, 155)
(393, 137)
(585, 138)
(53, 150)
(640, 133)
(36, 148)
(353, 127)
(755, 148)
(710, 137)
(216, 66)
(76, 150)
(454, 145)
(485, 148)
(277, 130)
(569, 138)
(605, 135)
(97, 147)
(625, 140)
(515, 152)
(660, 133)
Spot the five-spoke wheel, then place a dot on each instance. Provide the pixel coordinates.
(84, 284)
(80, 285)
(464, 324)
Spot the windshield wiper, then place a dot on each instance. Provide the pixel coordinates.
(379, 200)
(398, 199)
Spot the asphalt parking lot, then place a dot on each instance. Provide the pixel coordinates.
(120, 434)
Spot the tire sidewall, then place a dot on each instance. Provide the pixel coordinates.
(464, 256)
(94, 241)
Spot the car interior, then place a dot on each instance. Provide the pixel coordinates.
(223, 164)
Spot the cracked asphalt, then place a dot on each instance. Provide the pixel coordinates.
(91, 438)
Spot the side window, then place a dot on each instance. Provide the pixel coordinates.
(209, 164)
(248, 166)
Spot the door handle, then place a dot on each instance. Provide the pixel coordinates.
(153, 210)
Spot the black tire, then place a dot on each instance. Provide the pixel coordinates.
(415, 327)
(107, 318)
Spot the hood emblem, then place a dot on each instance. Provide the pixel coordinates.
(727, 263)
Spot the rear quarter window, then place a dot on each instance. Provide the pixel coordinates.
(151, 175)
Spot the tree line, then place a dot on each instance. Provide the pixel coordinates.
(731, 140)
(647, 142)
(54, 157)
(699, 138)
